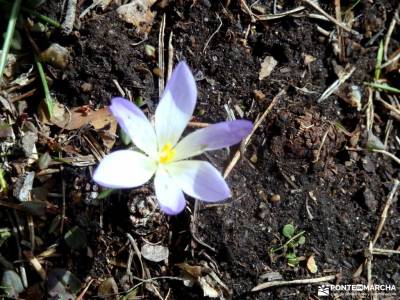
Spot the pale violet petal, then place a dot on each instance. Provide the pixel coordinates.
(199, 179)
(168, 193)
(176, 106)
(124, 169)
(133, 121)
(213, 137)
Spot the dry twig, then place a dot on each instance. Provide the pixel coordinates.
(389, 33)
(330, 18)
(338, 14)
(170, 56)
(270, 284)
(392, 60)
(392, 156)
(322, 144)
(81, 295)
(279, 15)
(334, 86)
(69, 20)
(245, 142)
(370, 110)
(213, 34)
(161, 65)
(385, 211)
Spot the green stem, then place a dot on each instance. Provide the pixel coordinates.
(379, 59)
(48, 99)
(9, 35)
(42, 17)
(383, 86)
(37, 15)
(287, 243)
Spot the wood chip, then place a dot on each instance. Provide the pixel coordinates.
(267, 66)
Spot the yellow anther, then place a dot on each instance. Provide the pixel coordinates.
(167, 154)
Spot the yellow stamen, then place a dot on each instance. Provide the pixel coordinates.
(167, 154)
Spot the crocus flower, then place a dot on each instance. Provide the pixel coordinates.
(162, 151)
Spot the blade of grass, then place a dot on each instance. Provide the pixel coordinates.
(104, 194)
(9, 35)
(48, 99)
(378, 65)
(3, 182)
(383, 86)
(36, 14)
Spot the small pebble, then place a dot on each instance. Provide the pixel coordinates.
(369, 199)
(263, 195)
(262, 214)
(150, 50)
(259, 95)
(275, 198)
(86, 87)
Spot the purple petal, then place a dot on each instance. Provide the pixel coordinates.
(213, 137)
(133, 121)
(124, 169)
(200, 180)
(168, 193)
(176, 105)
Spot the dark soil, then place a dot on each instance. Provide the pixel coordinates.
(335, 195)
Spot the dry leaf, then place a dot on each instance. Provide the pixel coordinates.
(56, 55)
(138, 13)
(193, 271)
(308, 59)
(311, 265)
(9, 69)
(267, 66)
(60, 114)
(103, 3)
(208, 290)
(101, 120)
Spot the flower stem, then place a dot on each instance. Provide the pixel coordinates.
(48, 99)
(9, 35)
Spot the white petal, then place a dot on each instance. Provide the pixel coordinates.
(168, 193)
(199, 179)
(135, 124)
(176, 106)
(124, 169)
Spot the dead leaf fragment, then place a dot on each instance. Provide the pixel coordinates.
(267, 66)
(56, 55)
(107, 288)
(103, 3)
(311, 265)
(138, 14)
(208, 290)
(155, 253)
(308, 59)
(23, 187)
(259, 95)
(101, 120)
(9, 70)
(193, 271)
